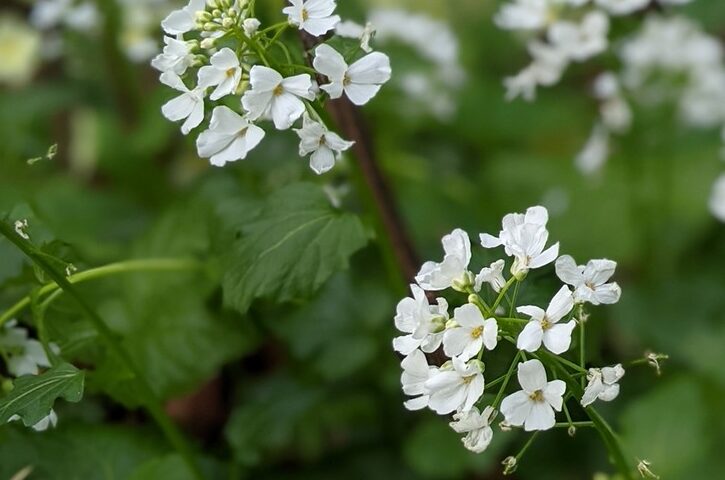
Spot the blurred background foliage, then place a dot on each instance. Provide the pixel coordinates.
(309, 388)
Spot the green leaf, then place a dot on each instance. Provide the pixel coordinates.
(33, 396)
(170, 467)
(293, 246)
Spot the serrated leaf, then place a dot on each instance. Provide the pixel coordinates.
(34, 395)
(293, 246)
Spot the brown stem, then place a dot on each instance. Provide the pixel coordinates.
(353, 126)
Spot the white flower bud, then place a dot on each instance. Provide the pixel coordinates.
(20, 226)
(510, 464)
(227, 22)
(251, 25)
(644, 470)
(207, 43)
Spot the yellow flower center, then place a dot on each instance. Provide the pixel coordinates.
(545, 323)
(305, 14)
(477, 332)
(346, 80)
(231, 71)
(537, 396)
(278, 90)
(469, 379)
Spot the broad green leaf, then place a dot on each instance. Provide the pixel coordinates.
(170, 467)
(34, 395)
(78, 451)
(293, 246)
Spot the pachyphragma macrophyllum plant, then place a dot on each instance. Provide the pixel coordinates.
(222, 59)
(541, 334)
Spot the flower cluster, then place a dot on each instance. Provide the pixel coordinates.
(25, 356)
(540, 335)
(561, 32)
(220, 58)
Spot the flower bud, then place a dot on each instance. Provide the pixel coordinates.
(504, 426)
(465, 283)
(212, 3)
(438, 324)
(216, 13)
(232, 13)
(193, 45)
(211, 26)
(207, 43)
(450, 324)
(510, 464)
(203, 16)
(251, 25)
(571, 430)
(228, 22)
(478, 363)
(644, 470)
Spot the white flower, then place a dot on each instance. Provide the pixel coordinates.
(47, 14)
(189, 105)
(473, 333)
(544, 325)
(21, 227)
(453, 270)
(622, 7)
(313, 16)
(717, 199)
(534, 405)
(176, 57)
(424, 323)
(546, 69)
(581, 41)
(24, 355)
(181, 21)
(592, 157)
(415, 373)
(455, 387)
(325, 146)
(360, 81)
(476, 426)
(603, 384)
(493, 275)
(276, 97)
(250, 26)
(224, 72)
(524, 237)
(524, 15)
(230, 137)
(50, 420)
(589, 281)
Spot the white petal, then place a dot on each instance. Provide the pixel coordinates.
(330, 63)
(532, 311)
(557, 339)
(179, 107)
(546, 257)
(455, 341)
(372, 69)
(299, 85)
(490, 333)
(474, 392)
(541, 417)
(530, 337)
(322, 160)
(256, 104)
(468, 315)
(606, 294)
(609, 393)
(591, 393)
(532, 376)
(286, 109)
(568, 271)
(613, 374)
(360, 94)
(516, 408)
(554, 394)
(418, 403)
(489, 241)
(320, 26)
(264, 78)
(405, 344)
(560, 305)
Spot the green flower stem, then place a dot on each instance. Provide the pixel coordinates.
(512, 303)
(149, 398)
(506, 379)
(502, 293)
(478, 301)
(512, 320)
(151, 264)
(582, 338)
(526, 446)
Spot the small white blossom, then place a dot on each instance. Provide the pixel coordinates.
(590, 280)
(230, 137)
(546, 69)
(360, 81)
(717, 199)
(184, 20)
(472, 333)
(350, 29)
(423, 323)
(47, 14)
(189, 105)
(622, 7)
(453, 270)
(592, 157)
(273, 96)
(524, 237)
(477, 427)
(456, 387)
(25, 356)
(583, 40)
(313, 16)
(524, 15)
(493, 275)
(20, 228)
(224, 72)
(544, 326)
(603, 384)
(533, 406)
(325, 146)
(416, 372)
(176, 57)
(251, 26)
